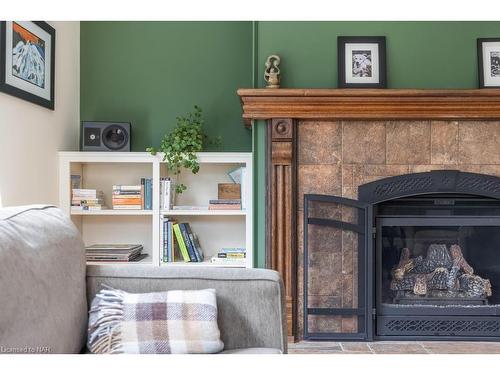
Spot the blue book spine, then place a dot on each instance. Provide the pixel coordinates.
(191, 236)
(165, 257)
(169, 242)
(187, 241)
(148, 194)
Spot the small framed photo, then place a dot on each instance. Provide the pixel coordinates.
(361, 62)
(488, 57)
(27, 61)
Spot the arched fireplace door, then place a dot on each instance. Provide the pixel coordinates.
(416, 257)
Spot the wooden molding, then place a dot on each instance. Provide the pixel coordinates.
(281, 210)
(359, 104)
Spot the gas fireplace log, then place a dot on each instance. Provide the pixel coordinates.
(459, 260)
(405, 264)
(437, 256)
(475, 286)
(441, 271)
(420, 287)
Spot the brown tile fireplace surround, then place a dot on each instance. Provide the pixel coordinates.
(333, 141)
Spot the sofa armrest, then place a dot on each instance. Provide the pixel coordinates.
(250, 302)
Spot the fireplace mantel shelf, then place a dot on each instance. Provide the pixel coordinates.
(364, 104)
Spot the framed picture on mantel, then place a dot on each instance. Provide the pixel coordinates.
(488, 56)
(27, 58)
(361, 62)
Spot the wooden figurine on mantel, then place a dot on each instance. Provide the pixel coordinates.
(272, 72)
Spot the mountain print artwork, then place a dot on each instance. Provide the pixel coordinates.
(28, 56)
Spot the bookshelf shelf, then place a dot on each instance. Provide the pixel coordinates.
(110, 212)
(215, 229)
(145, 261)
(204, 212)
(203, 264)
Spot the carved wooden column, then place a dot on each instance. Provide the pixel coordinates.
(281, 210)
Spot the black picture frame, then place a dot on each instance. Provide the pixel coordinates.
(19, 92)
(481, 62)
(382, 67)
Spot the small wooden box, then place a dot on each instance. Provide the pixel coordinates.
(229, 191)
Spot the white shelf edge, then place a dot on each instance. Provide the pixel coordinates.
(127, 264)
(110, 212)
(202, 264)
(203, 212)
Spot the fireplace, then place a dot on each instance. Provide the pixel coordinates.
(427, 251)
(328, 146)
(437, 268)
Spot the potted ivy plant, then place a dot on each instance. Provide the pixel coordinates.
(180, 146)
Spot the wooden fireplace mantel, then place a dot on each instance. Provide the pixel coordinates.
(283, 107)
(262, 104)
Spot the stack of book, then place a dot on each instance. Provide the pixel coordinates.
(127, 197)
(231, 255)
(87, 199)
(224, 204)
(179, 242)
(114, 253)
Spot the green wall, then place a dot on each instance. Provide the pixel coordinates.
(419, 54)
(150, 72)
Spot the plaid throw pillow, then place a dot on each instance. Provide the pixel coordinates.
(177, 321)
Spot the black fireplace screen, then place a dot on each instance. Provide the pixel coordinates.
(417, 257)
(337, 303)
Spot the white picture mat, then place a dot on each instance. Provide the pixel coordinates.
(489, 47)
(18, 82)
(349, 48)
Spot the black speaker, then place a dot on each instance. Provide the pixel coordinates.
(105, 136)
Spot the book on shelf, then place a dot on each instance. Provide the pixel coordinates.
(76, 181)
(190, 208)
(133, 197)
(170, 251)
(114, 253)
(224, 207)
(87, 199)
(233, 261)
(224, 204)
(232, 253)
(225, 201)
(188, 243)
(166, 193)
(182, 245)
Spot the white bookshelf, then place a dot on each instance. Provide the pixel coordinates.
(215, 228)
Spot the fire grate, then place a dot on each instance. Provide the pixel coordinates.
(438, 326)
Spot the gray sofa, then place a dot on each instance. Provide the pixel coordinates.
(45, 289)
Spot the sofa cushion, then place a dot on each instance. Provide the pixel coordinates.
(42, 281)
(175, 321)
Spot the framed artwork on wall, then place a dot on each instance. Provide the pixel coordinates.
(361, 62)
(27, 61)
(488, 57)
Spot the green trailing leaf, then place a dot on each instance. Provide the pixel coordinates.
(181, 145)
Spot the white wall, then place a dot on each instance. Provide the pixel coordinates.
(31, 135)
